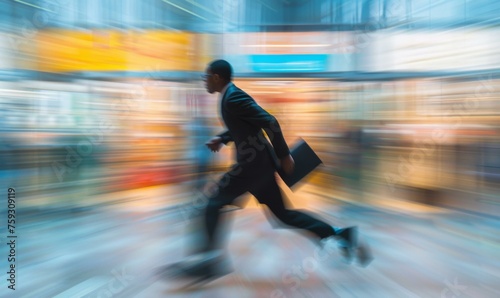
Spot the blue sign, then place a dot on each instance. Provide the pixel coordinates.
(289, 63)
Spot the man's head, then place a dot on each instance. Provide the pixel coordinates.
(217, 75)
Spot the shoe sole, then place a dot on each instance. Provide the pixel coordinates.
(363, 255)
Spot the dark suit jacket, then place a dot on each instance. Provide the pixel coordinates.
(245, 120)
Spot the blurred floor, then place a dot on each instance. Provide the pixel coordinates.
(112, 251)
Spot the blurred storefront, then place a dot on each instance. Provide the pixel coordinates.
(396, 109)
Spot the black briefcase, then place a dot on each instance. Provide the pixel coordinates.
(306, 161)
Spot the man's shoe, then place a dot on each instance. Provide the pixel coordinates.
(348, 240)
(201, 268)
(348, 237)
(346, 254)
(364, 255)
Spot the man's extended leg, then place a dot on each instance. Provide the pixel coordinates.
(270, 194)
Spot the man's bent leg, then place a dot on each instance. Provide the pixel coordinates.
(227, 190)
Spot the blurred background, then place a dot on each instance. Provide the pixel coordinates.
(102, 106)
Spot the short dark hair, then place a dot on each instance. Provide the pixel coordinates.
(222, 68)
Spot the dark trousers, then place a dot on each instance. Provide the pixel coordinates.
(260, 182)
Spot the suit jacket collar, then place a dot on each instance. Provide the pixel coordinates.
(224, 90)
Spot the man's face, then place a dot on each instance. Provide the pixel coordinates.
(209, 79)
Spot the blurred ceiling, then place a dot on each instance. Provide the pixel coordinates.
(247, 15)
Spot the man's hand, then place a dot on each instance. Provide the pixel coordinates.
(287, 164)
(214, 144)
